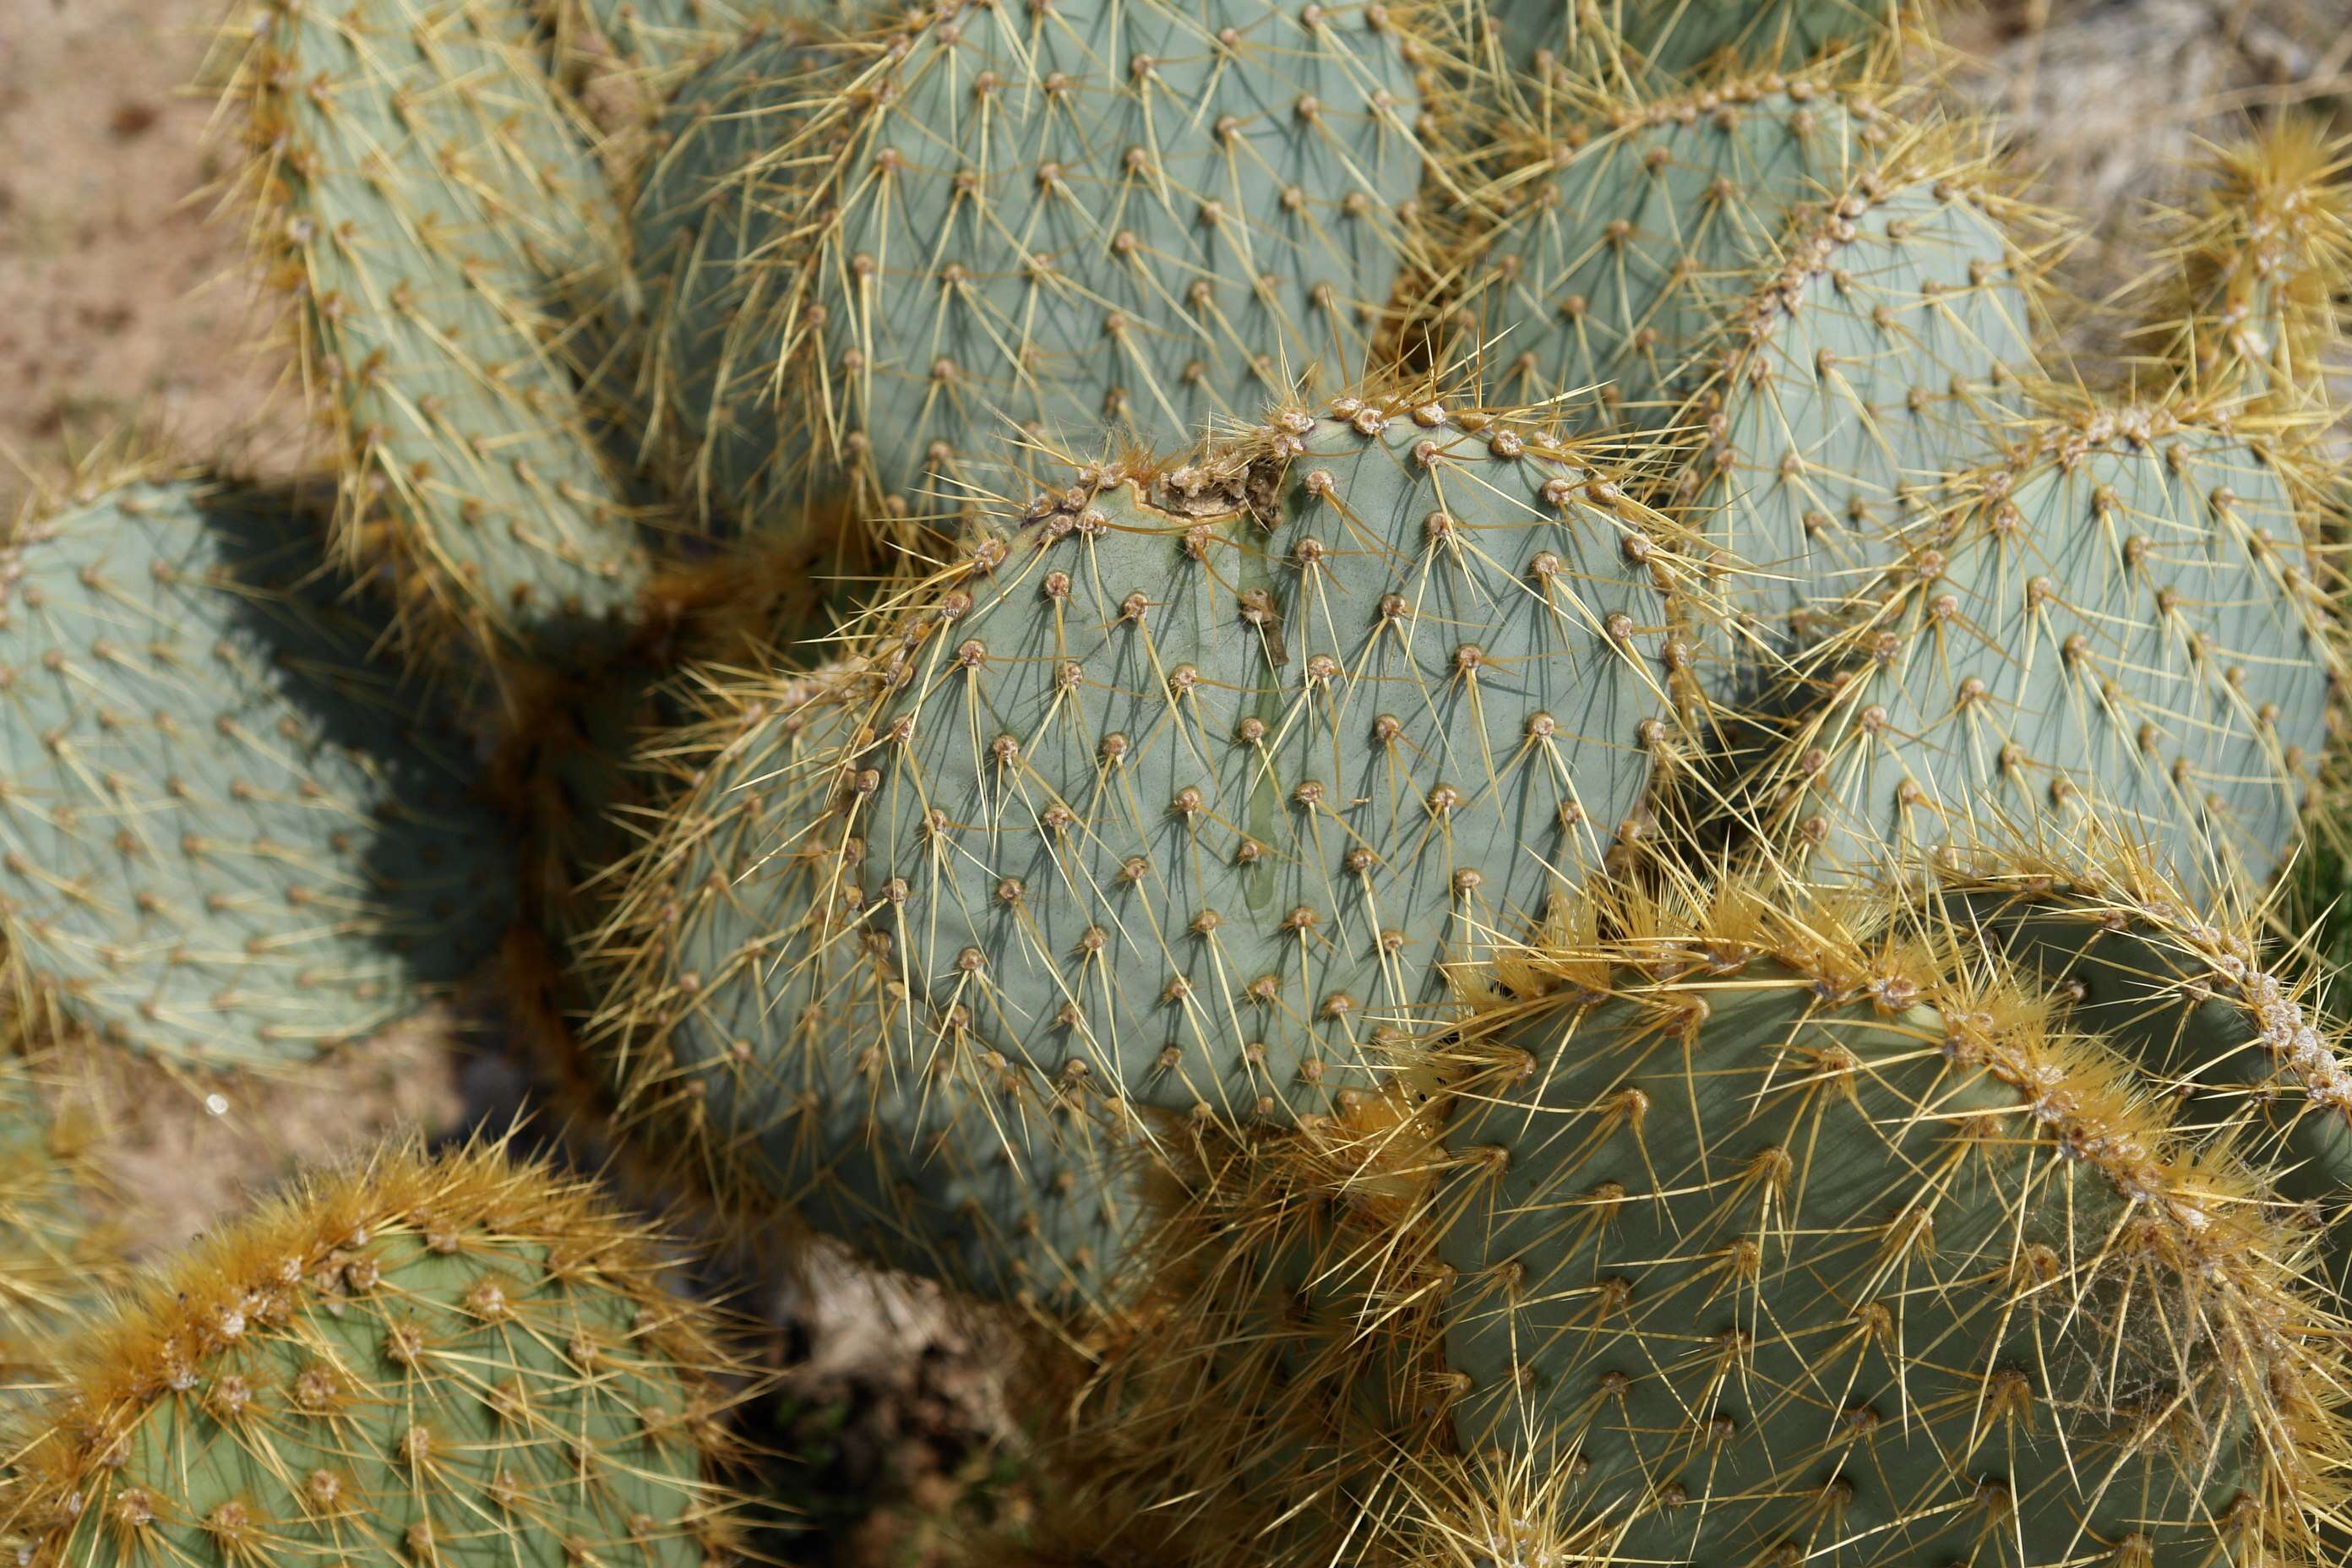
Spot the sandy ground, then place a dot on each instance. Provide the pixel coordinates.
(124, 303)
(119, 304)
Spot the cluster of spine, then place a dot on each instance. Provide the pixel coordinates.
(441, 1361)
(2257, 264)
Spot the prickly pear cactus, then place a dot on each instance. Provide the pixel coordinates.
(2121, 618)
(454, 1360)
(1666, 981)
(1179, 792)
(2189, 993)
(225, 838)
(422, 192)
(1096, 221)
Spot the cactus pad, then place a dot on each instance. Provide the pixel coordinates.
(953, 1164)
(1772, 1234)
(222, 838)
(2261, 261)
(423, 193)
(666, 35)
(1674, 38)
(2121, 617)
(1176, 793)
(2189, 994)
(1198, 776)
(1622, 252)
(457, 1362)
(1884, 354)
(1087, 220)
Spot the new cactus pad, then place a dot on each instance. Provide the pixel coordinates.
(455, 1360)
(225, 838)
(423, 193)
(2251, 306)
(1088, 221)
(2121, 618)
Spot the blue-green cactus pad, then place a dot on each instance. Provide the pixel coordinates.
(225, 834)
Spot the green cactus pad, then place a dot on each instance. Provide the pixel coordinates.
(1675, 37)
(224, 838)
(1885, 354)
(1197, 777)
(1093, 220)
(665, 36)
(1623, 251)
(948, 1162)
(423, 193)
(2122, 619)
(705, 253)
(455, 1362)
(1767, 1235)
(1004, 1190)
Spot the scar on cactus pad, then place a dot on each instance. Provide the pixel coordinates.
(1186, 785)
(1064, 220)
(1763, 1227)
(447, 1360)
(226, 838)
